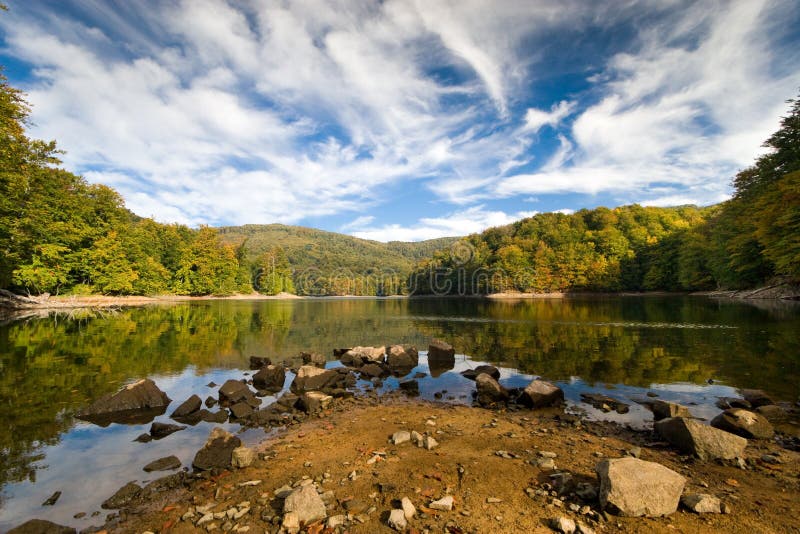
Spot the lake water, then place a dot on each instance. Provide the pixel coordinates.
(688, 349)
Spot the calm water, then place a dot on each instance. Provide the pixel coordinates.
(624, 347)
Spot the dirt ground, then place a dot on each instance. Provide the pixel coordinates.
(483, 461)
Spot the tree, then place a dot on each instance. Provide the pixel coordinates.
(274, 273)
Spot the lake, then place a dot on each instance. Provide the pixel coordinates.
(688, 349)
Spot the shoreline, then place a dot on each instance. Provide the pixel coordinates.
(364, 475)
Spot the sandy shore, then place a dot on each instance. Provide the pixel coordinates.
(485, 460)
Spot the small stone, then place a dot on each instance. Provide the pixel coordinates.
(306, 504)
(445, 504)
(416, 438)
(564, 525)
(493, 500)
(401, 437)
(634, 452)
(242, 457)
(408, 508)
(547, 454)
(701, 503)
(546, 464)
(336, 521)
(397, 520)
(429, 443)
(770, 459)
(291, 523)
(163, 464)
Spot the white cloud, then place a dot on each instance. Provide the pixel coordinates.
(535, 119)
(472, 220)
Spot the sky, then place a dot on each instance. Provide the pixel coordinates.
(403, 120)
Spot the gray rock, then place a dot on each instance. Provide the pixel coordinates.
(397, 520)
(539, 394)
(40, 526)
(358, 356)
(441, 357)
(605, 403)
(122, 497)
(701, 503)
(490, 392)
(444, 504)
(306, 504)
(141, 396)
(490, 370)
(242, 457)
(665, 410)
(401, 436)
(189, 406)
(564, 525)
(163, 464)
(743, 423)
(633, 488)
(313, 358)
(314, 401)
(402, 358)
(162, 430)
(701, 440)
(756, 397)
(217, 451)
(270, 377)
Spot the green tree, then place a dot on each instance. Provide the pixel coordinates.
(274, 274)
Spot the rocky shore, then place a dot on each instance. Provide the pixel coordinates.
(346, 459)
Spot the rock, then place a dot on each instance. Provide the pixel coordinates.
(336, 521)
(257, 362)
(429, 442)
(409, 511)
(270, 377)
(210, 402)
(401, 437)
(411, 387)
(162, 430)
(310, 378)
(703, 441)
(137, 402)
(40, 526)
(634, 488)
(397, 520)
(539, 394)
(490, 392)
(605, 403)
(314, 401)
(217, 451)
(242, 457)
(306, 504)
(233, 391)
(441, 357)
(773, 413)
(241, 410)
(490, 370)
(358, 356)
(756, 397)
(313, 358)
(416, 438)
(189, 406)
(163, 464)
(51, 500)
(122, 497)
(445, 504)
(701, 503)
(144, 438)
(402, 358)
(371, 370)
(724, 403)
(665, 410)
(743, 423)
(563, 524)
(215, 417)
(291, 523)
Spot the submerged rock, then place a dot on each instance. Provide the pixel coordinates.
(138, 402)
(441, 357)
(743, 423)
(490, 392)
(756, 397)
(188, 407)
(40, 526)
(703, 441)
(162, 430)
(633, 488)
(490, 370)
(270, 377)
(217, 451)
(122, 497)
(411, 387)
(163, 464)
(539, 394)
(605, 403)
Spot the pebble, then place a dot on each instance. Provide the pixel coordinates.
(444, 504)
(547, 454)
(401, 437)
(564, 525)
(408, 508)
(397, 520)
(429, 443)
(493, 500)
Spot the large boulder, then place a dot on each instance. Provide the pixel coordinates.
(270, 377)
(703, 441)
(743, 423)
(402, 358)
(490, 392)
(163, 464)
(441, 357)
(539, 394)
(311, 378)
(756, 397)
(139, 402)
(490, 370)
(40, 526)
(314, 401)
(665, 410)
(188, 407)
(257, 362)
(233, 391)
(358, 356)
(217, 451)
(631, 487)
(306, 504)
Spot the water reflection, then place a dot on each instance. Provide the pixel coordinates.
(53, 366)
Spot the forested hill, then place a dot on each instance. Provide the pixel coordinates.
(747, 241)
(307, 248)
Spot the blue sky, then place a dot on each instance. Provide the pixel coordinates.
(403, 119)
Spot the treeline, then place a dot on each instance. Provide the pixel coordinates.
(59, 233)
(742, 243)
